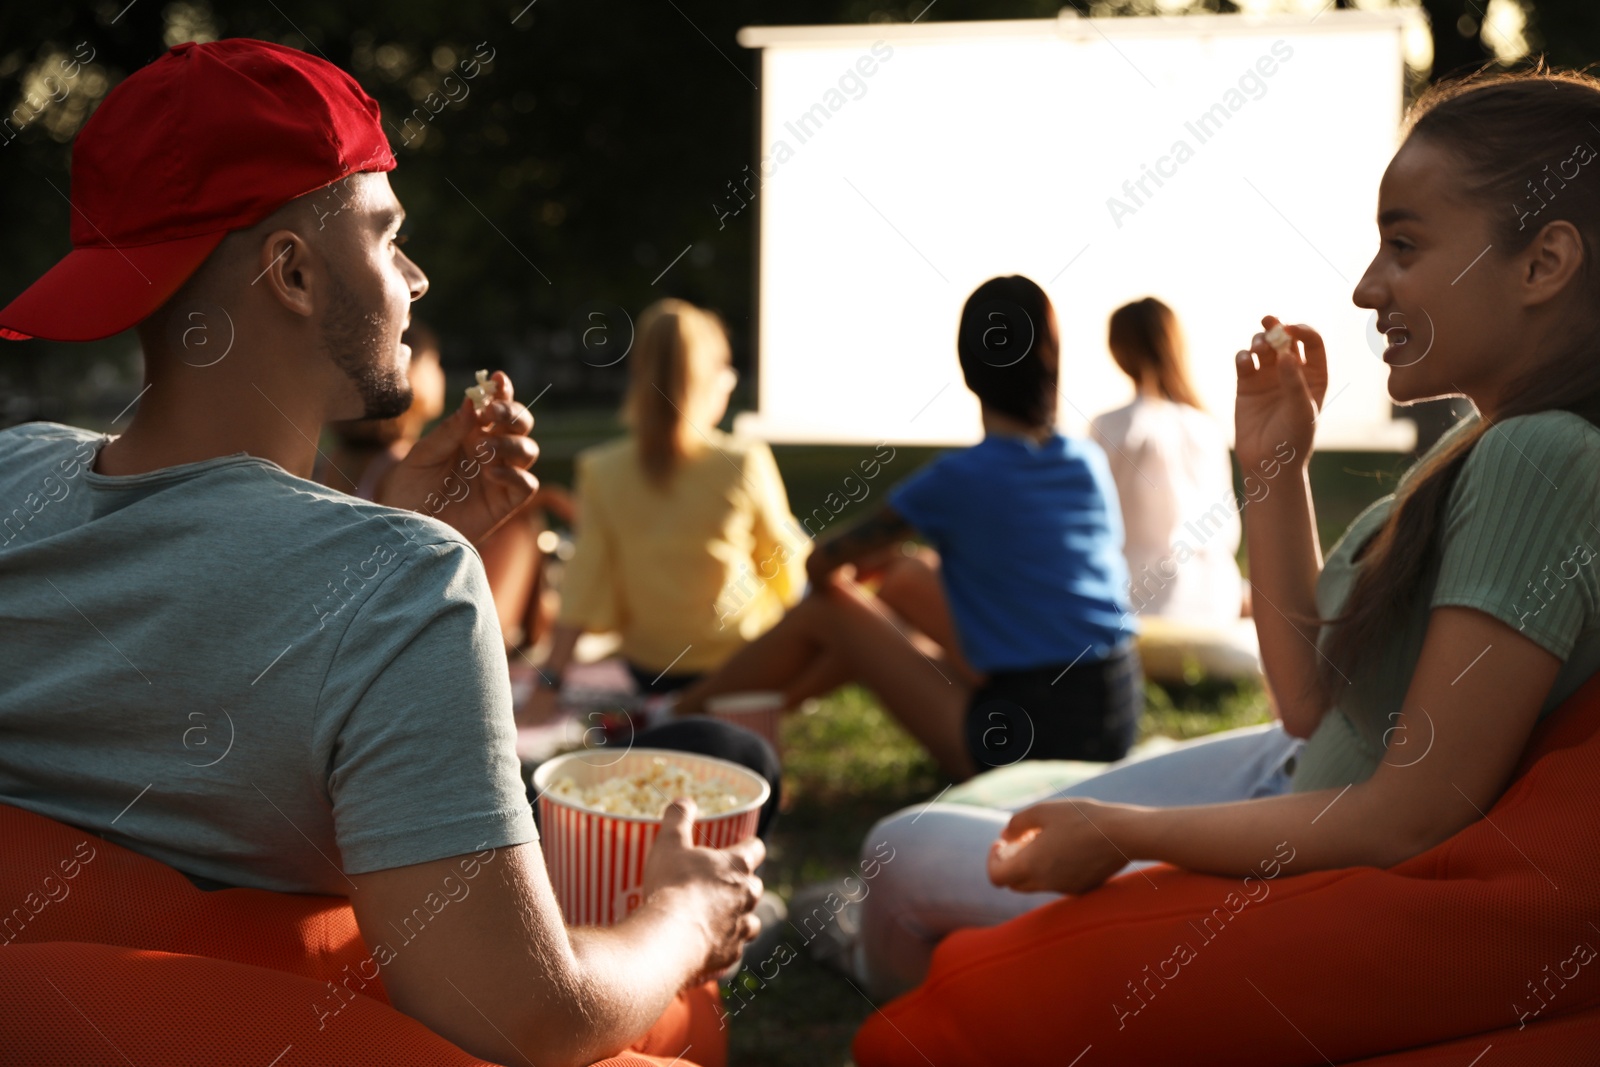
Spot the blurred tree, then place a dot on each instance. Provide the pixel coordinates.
(573, 174)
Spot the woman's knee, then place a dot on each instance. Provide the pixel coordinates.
(914, 845)
(890, 849)
(907, 573)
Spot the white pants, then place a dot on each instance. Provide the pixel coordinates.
(937, 881)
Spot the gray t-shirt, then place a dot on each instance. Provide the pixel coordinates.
(246, 675)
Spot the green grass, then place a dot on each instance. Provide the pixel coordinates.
(1203, 708)
(846, 765)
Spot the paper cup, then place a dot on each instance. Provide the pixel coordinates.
(758, 711)
(596, 859)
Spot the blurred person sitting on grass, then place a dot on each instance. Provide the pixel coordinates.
(1174, 475)
(367, 450)
(354, 645)
(685, 543)
(1025, 604)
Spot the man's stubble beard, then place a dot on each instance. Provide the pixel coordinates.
(354, 342)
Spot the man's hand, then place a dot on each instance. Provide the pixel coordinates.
(471, 471)
(496, 972)
(714, 887)
(1055, 846)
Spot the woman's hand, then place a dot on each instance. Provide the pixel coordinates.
(472, 470)
(871, 566)
(1056, 846)
(859, 548)
(1278, 402)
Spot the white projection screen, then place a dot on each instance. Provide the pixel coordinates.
(892, 182)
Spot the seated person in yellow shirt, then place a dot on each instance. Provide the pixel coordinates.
(685, 543)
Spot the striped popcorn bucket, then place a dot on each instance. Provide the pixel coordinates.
(758, 711)
(596, 859)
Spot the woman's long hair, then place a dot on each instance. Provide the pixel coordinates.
(1145, 338)
(1500, 129)
(677, 351)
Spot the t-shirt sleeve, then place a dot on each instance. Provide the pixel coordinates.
(1520, 532)
(590, 596)
(422, 761)
(925, 499)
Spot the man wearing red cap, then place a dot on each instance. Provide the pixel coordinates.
(218, 663)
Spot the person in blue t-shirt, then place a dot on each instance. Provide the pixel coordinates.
(1024, 637)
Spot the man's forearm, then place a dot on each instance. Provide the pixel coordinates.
(634, 970)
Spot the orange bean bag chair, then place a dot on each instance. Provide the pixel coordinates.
(1487, 940)
(109, 957)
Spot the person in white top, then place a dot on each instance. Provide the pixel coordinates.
(1170, 460)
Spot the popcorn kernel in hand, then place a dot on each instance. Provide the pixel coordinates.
(1280, 340)
(481, 394)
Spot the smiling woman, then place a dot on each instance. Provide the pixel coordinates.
(1411, 632)
(1512, 309)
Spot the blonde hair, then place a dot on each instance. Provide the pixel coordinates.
(677, 350)
(1145, 337)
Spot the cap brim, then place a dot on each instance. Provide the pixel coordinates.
(96, 292)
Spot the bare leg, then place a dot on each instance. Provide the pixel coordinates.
(774, 660)
(924, 694)
(827, 672)
(839, 634)
(911, 587)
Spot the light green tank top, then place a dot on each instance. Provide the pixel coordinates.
(1519, 540)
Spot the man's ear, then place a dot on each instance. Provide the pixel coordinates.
(1552, 259)
(288, 271)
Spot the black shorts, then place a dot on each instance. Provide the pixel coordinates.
(1086, 711)
(652, 682)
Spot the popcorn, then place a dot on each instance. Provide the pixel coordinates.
(1280, 340)
(485, 391)
(647, 795)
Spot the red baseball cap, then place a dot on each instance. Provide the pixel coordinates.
(207, 139)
